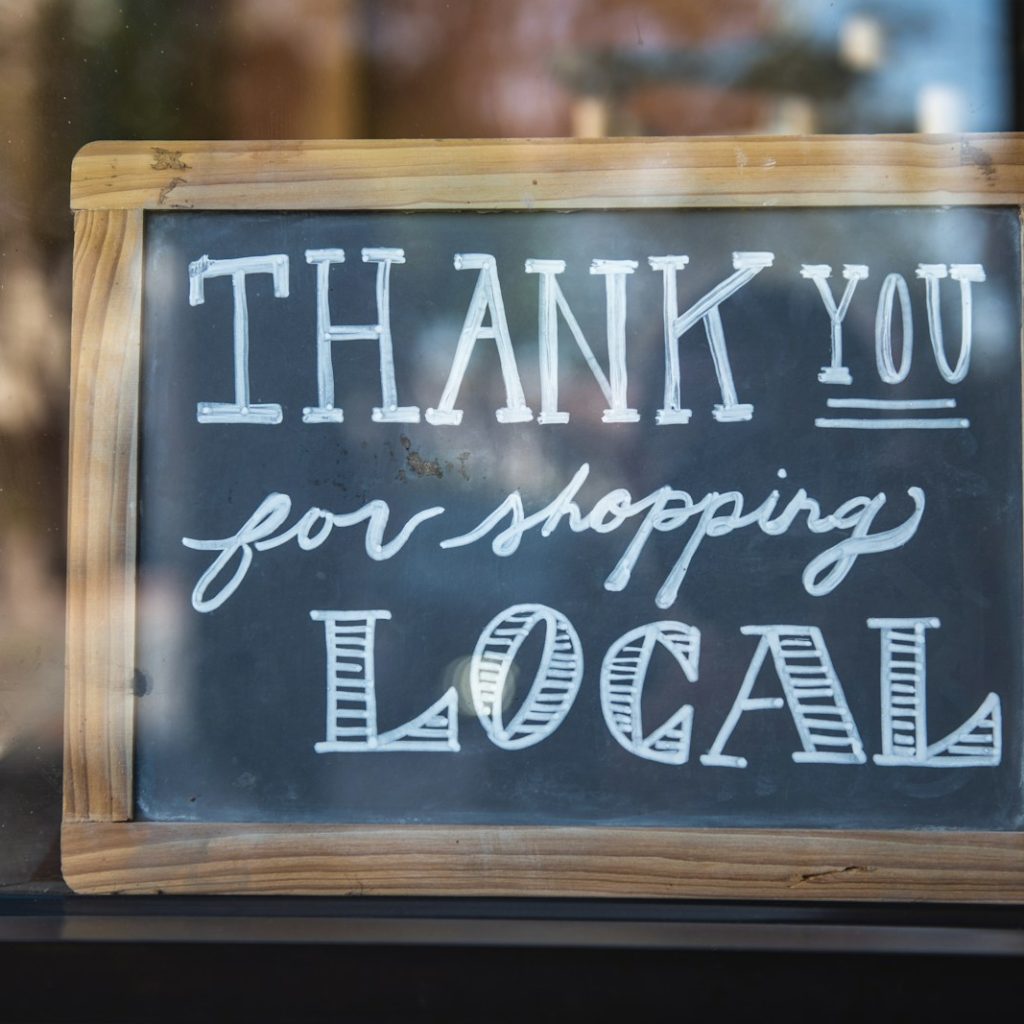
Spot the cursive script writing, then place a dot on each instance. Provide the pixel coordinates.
(715, 514)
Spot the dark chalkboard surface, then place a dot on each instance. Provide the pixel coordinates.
(852, 665)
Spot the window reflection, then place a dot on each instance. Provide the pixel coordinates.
(77, 70)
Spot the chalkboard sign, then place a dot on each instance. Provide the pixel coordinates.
(454, 534)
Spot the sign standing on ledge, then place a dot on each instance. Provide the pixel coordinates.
(569, 524)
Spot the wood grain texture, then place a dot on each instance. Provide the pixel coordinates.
(738, 171)
(429, 860)
(112, 184)
(106, 323)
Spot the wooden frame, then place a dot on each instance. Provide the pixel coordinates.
(112, 184)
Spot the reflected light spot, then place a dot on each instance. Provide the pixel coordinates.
(457, 673)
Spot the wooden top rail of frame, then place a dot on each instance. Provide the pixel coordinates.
(739, 171)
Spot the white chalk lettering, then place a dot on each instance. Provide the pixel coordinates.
(623, 674)
(748, 265)
(819, 273)
(716, 514)
(486, 301)
(893, 285)
(552, 301)
(966, 274)
(803, 666)
(817, 704)
(824, 573)
(327, 333)
(665, 510)
(554, 687)
(352, 694)
(259, 533)
(241, 410)
(905, 705)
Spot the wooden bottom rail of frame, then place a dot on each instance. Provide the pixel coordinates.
(172, 857)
